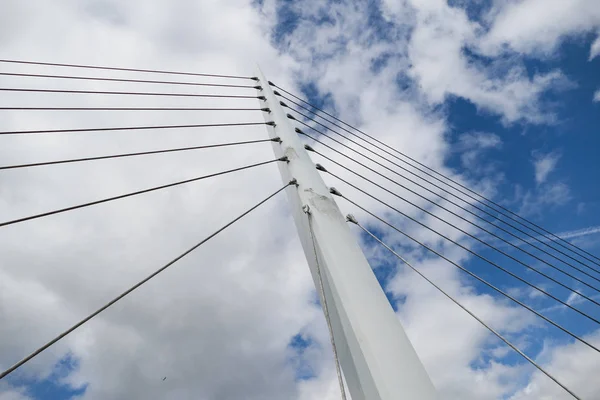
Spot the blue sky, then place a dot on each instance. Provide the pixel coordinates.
(497, 94)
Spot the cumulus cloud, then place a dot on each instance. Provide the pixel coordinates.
(597, 96)
(595, 48)
(220, 323)
(544, 164)
(538, 26)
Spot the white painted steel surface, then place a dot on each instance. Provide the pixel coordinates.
(377, 359)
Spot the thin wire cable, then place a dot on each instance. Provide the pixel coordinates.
(132, 128)
(128, 109)
(141, 153)
(492, 263)
(444, 176)
(134, 287)
(338, 369)
(432, 192)
(154, 71)
(93, 78)
(45, 214)
(128, 93)
(475, 276)
(466, 233)
(498, 335)
(440, 188)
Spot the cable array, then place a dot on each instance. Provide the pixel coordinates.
(220, 91)
(347, 149)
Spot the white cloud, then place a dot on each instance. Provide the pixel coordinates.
(219, 322)
(574, 363)
(544, 164)
(597, 96)
(538, 26)
(595, 48)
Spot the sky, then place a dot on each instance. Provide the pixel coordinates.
(502, 96)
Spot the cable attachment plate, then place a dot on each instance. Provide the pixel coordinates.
(255, 78)
(322, 168)
(276, 93)
(266, 109)
(277, 140)
(308, 148)
(351, 218)
(258, 87)
(334, 191)
(293, 182)
(270, 123)
(271, 83)
(290, 116)
(282, 104)
(284, 158)
(297, 130)
(306, 209)
(263, 98)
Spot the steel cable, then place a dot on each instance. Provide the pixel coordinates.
(498, 335)
(444, 176)
(154, 71)
(45, 214)
(430, 191)
(444, 190)
(141, 153)
(94, 78)
(564, 303)
(466, 233)
(491, 286)
(134, 287)
(133, 128)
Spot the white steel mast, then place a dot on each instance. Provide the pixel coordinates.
(376, 357)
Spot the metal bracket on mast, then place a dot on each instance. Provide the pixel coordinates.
(377, 359)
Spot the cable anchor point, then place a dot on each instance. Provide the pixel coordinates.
(284, 158)
(308, 148)
(298, 130)
(258, 87)
(293, 182)
(266, 109)
(263, 98)
(282, 104)
(276, 93)
(334, 191)
(351, 218)
(277, 140)
(290, 116)
(271, 123)
(322, 168)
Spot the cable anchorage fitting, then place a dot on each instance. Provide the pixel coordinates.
(258, 87)
(282, 104)
(270, 123)
(266, 109)
(306, 209)
(334, 191)
(297, 130)
(255, 78)
(271, 83)
(284, 158)
(351, 218)
(293, 182)
(277, 140)
(290, 116)
(308, 148)
(322, 168)
(276, 93)
(263, 98)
